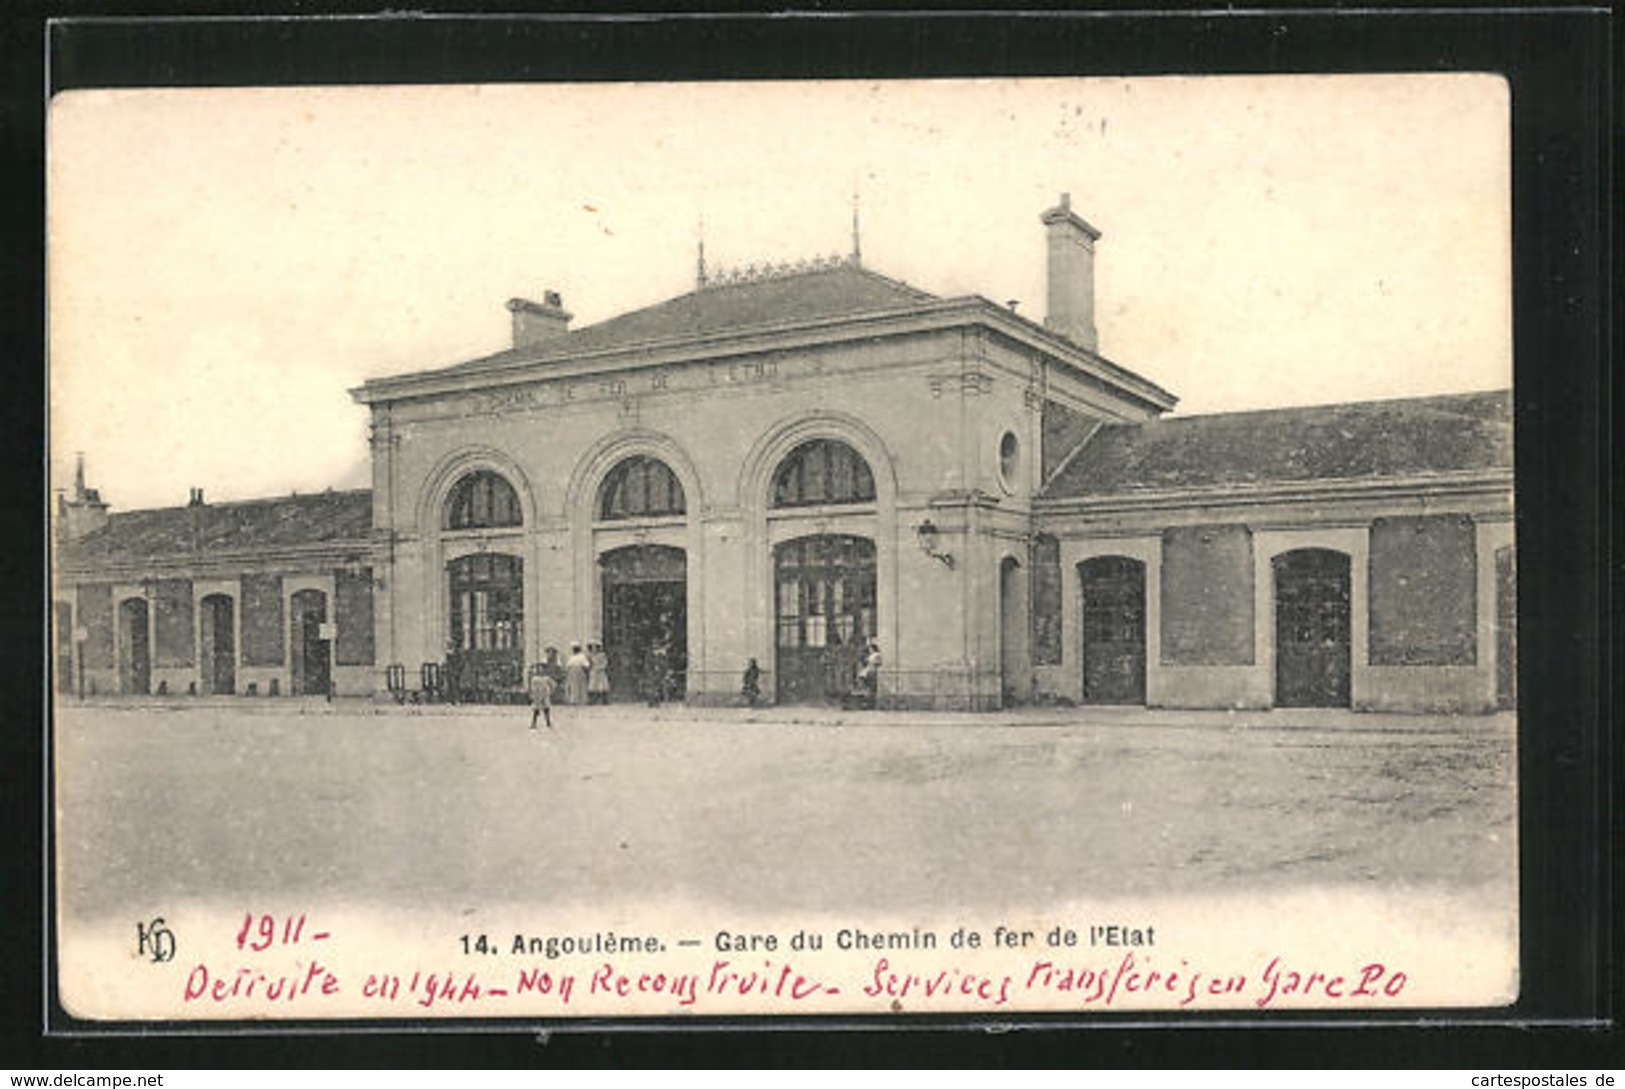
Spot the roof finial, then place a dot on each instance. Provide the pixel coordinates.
(699, 262)
(857, 248)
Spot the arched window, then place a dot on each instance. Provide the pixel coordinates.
(482, 500)
(823, 471)
(487, 603)
(640, 487)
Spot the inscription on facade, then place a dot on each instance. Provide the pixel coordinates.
(506, 400)
(759, 370)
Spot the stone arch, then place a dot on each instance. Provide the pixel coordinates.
(755, 505)
(1353, 543)
(580, 499)
(439, 545)
(775, 444)
(133, 643)
(595, 463)
(1015, 651)
(437, 486)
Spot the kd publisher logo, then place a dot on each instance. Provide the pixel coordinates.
(155, 940)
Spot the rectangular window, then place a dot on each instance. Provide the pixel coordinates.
(96, 616)
(789, 613)
(1423, 591)
(1046, 600)
(480, 619)
(172, 623)
(1207, 595)
(262, 620)
(352, 609)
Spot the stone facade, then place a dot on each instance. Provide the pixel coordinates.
(788, 463)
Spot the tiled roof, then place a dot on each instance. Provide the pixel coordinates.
(844, 290)
(181, 532)
(1369, 439)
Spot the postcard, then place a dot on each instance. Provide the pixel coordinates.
(989, 548)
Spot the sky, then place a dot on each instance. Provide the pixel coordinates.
(225, 264)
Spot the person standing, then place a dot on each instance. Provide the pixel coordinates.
(575, 676)
(598, 674)
(654, 674)
(751, 689)
(869, 675)
(541, 696)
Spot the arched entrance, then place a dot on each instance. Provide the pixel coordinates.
(485, 658)
(135, 650)
(310, 659)
(1113, 629)
(1014, 670)
(645, 620)
(1312, 629)
(1506, 628)
(824, 615)
(218, 645)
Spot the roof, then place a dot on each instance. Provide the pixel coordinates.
(822, 294)
(1370, 439)
(823, 291)
(182, 532)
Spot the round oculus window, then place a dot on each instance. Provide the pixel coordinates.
(1009, 461)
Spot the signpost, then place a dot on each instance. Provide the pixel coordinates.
(329, 634)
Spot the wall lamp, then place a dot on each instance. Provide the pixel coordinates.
(930, 537)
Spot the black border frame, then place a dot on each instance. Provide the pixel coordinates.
(1557, 61)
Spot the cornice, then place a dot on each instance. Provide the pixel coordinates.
(1495, 483)
(930, 317)
(237, 558)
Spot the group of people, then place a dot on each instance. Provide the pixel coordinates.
(865, 692)
(583, 678)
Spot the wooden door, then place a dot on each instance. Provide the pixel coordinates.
(1113, 630)
(1312, 632)
(824, 616)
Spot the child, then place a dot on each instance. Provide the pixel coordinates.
(541, 697)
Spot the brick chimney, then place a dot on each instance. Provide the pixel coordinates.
(1071, 244)
(537, 323)
(84, 512)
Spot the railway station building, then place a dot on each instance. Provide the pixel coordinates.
(790, 461)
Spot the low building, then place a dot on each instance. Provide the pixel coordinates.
(269, 597)
(788, 464)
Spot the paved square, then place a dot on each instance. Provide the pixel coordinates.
(771, 810)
